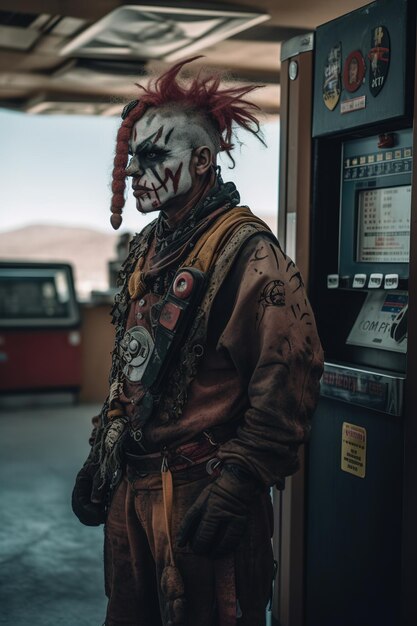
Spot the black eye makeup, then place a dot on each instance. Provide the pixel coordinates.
(151, 155)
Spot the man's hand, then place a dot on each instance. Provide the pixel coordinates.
(89, 513)
(216, 522)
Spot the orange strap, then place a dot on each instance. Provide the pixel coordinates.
(113, 413)
(207, 248)
(168, 495)
(225, 579)
(136, 284)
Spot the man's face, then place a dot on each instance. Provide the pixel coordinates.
(161, 152)
(353, 72)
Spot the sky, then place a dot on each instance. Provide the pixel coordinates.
(57, 169)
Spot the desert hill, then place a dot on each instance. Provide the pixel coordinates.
(86, 249)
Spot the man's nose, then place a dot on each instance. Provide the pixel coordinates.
(133, 167)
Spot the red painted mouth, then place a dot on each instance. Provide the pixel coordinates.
(142, 190)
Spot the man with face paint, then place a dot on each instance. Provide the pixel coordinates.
(161, 167)
(215, 374)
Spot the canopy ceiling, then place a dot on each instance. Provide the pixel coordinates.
(36, 77)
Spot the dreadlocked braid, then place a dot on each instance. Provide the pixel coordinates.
(220, 107)
(120, 161)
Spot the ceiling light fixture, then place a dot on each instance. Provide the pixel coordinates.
(164, 33)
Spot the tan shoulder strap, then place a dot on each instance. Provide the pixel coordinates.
(209, 246)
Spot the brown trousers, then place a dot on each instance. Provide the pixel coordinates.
(136, 552)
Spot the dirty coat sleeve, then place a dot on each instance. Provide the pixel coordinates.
(272, 339)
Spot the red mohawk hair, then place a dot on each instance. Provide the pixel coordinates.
(222, 107)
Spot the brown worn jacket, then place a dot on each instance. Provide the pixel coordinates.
(261, 368)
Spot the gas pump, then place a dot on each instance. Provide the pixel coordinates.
(360, 523)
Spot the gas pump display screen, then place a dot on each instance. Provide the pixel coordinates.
(384, 225)
(375, 206)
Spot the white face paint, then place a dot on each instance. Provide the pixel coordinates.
(160, 164)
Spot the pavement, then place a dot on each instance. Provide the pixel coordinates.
(51, 571)
(51, 566)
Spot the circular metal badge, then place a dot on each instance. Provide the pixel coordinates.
(293, 70)
(135, 350)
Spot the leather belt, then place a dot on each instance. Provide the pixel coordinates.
(183, 457)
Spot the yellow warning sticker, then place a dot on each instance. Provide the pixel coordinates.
(353, 449)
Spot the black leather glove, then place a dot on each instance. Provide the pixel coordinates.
(216, 522)
(89, 513)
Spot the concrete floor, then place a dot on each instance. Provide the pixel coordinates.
(50, 565)
(51, 571)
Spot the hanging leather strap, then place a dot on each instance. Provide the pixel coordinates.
(167, 495)
(225, 577)
(172, 584)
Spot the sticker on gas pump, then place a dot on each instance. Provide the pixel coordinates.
(331, 79)
(379, 58)
(382, 322)
(353, 104)
(353, 457)
(354, 71)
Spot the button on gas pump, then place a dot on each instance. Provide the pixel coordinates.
(332, 281)
(359, 281)
(375, 281)
(391, 281)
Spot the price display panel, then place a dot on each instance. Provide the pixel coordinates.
(384, 225)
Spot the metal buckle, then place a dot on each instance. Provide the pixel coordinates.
(137, 435)
(117, 474)
(212, 465)
(164, 464)
(210, 437)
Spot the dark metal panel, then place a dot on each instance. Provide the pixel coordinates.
(354, 538)
(409, 545)
(354, 33)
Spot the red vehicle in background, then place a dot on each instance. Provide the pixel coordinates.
(40, 343)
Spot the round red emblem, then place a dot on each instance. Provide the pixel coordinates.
(183, 285)
(354, 71)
